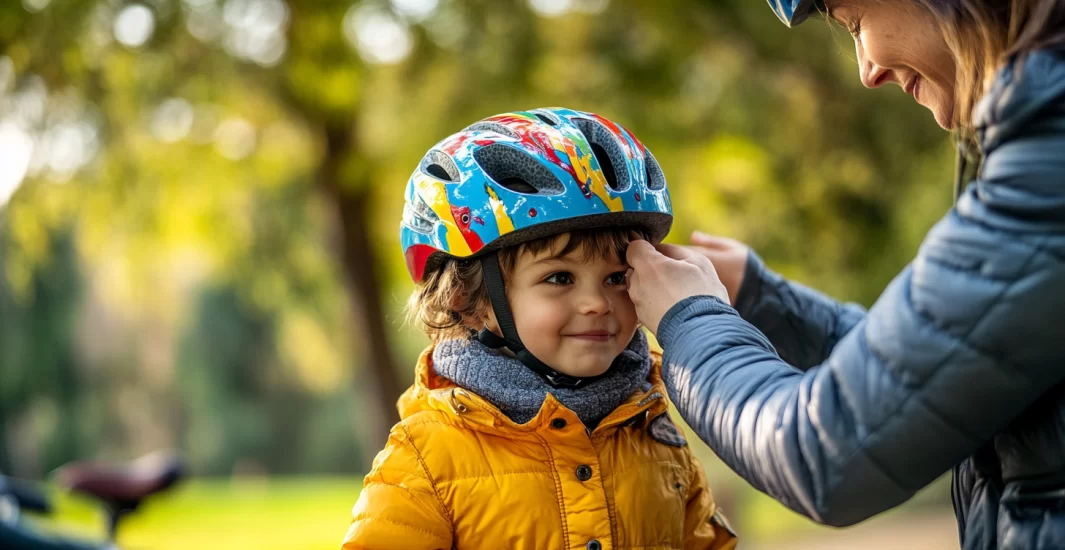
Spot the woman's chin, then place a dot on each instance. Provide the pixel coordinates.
(945, 121)
(944, 115)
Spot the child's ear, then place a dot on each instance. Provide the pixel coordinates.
(489, 320)
(477, 322)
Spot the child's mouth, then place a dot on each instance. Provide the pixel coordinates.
(592, 336)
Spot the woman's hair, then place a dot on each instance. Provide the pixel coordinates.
(454, 294)
(983, 34)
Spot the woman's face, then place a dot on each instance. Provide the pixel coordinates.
(899, 42)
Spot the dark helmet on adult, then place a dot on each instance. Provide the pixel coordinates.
(793, 12)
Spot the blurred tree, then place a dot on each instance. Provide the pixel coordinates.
(43, 399)
(245, 144)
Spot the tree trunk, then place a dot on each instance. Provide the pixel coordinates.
(376, 385)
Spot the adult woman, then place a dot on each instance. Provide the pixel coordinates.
(841, 413)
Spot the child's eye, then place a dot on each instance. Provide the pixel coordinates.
(616, 278)
(560, 278)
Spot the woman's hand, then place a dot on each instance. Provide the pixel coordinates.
(660, 276)
(729, 257)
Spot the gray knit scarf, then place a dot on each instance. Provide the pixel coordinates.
(519, 392)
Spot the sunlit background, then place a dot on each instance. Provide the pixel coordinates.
(200, 199)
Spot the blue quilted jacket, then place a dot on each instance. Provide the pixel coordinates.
(842, 413)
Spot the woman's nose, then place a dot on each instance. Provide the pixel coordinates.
(872, 75)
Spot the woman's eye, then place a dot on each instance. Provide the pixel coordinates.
(561, 278)
(616, 278)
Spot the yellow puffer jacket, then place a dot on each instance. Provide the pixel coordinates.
(457, 473)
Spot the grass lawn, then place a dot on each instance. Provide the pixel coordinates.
(303, 513)
(262, 514)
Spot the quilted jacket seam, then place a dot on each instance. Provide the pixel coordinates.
(861, 447)
(429, 477)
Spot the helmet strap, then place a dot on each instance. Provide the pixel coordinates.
(497, 295)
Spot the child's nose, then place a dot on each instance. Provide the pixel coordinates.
(595, 302)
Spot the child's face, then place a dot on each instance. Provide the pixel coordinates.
(574, 312)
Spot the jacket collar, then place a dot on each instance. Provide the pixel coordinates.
(431, 391)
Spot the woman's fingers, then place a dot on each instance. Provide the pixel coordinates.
(688, 255)
(714, 242)
(676, 252)
(664, 275)
(729, 257)
(640, 253)
(702, 239)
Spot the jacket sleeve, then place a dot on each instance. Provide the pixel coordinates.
(705, 527)
(399, 508)
(802, 324)
(961, 342)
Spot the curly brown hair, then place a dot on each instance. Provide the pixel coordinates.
(451, 298)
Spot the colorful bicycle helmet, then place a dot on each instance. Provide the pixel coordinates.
(793, 12)
(517, 177)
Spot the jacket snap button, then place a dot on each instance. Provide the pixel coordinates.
(558, 423)
(584, 473)
(594, 545)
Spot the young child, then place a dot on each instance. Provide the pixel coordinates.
(538, 418)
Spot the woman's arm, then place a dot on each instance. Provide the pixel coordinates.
(801, 323)
(969, 335)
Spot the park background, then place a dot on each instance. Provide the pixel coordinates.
(199, 209)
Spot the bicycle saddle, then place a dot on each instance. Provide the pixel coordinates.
(122, 485)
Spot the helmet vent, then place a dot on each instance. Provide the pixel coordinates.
(440, 166)
(608, 153)
(608, 167)
(417, 216)
(547, 118)
(656, 180)
(517, 170)
(438, 172)
(518, 185)
(489, 126)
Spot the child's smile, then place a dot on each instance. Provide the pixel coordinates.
(572, 312)
(593, 335)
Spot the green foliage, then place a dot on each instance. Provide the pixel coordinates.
(184, 286)
(244, 408)
(40, 379)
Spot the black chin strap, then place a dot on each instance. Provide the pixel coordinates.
(497, 295)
